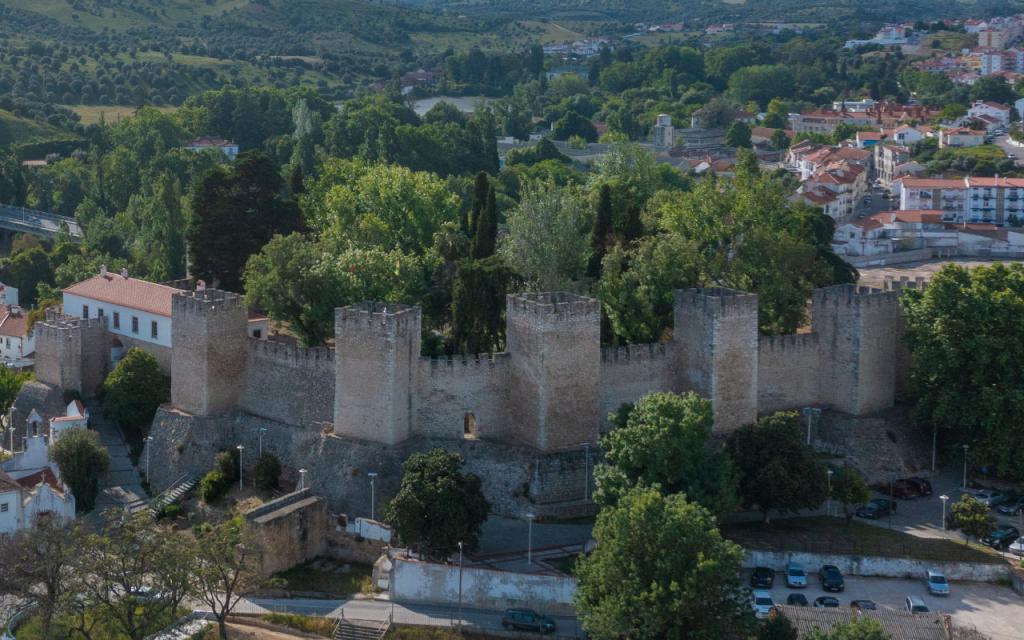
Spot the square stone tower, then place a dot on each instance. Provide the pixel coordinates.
(377, 351)
(71, 352)
(208, 351)
(859, 331)
(715, 342)
(554, 342)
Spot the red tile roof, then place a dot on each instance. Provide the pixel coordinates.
(13, 322)
(46, 475)
(934, 183)
(126, 292)
(7, 483)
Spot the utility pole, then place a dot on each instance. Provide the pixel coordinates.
(373, 497)
(586, 471)
(241, 485)
(460, 587)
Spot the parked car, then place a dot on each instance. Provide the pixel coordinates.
(1011, 507)
(796, 600)
(877, 508)
(864, 605)
(762, 578)
(924, 486)
(1017, 547)
(916, 605)
(831, 578)
(1009, 500)
(901, 489)
(1003, 536)
(527, 620)
(826, 601)
(989, 497)
(796, 577)
(937, 584)
(763, 604)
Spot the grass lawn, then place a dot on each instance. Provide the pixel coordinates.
(822, 534)
(307, 577)
(113, 114)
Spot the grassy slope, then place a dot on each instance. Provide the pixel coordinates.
(17, 130)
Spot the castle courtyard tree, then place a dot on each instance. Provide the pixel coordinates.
(666, 444)
(82, 460)
(661, 569)
(849, 488)
(778, 472)
(134, 389)
(438, 505)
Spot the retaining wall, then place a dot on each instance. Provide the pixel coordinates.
(882, 567)
(414, 581)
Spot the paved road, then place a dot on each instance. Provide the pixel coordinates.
(1003, 142)
(993, 609)
(120, 486)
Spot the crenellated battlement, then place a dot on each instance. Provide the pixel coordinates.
(57, 324)
(634, 353)
(850, 294)
(290, 354)
(389, 317)
(718, 301)
(788, 343)
(557, 305)
(917, 284)
(205, 302)
(462, 365)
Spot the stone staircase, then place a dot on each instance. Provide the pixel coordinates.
(348, 629)
(172, 495)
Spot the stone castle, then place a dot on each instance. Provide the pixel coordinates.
(545, 397)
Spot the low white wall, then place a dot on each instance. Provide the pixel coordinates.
(369, 529)
(427, 582)
(875, 566)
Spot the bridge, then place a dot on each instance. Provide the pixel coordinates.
(40, 223)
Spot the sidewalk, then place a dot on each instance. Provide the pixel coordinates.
(120, 486)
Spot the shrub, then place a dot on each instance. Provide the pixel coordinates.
(213, 486)
(307, 624)
(82, 459)
(268, 470)
(134, 389)
(227, 463)
(171, 511)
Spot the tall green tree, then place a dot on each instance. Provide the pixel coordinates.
(849, 488)
(134, 389)
(738, 135)
(601, 233)
(226, 561)
(971, 517)
(485, 235)
(235, 211)
(438, 505)
(666, 444)
(481, 187)
(661, 569)
(82, 460)
(478, 305)
(777, 471)
(967, 375)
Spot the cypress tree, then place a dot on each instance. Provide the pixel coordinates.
(480, 190)
(486, 229)
(600, 236)
(634, 226)
(297, 181)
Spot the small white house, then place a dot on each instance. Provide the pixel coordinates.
(8, 294)
(16, 339)
(227, 147)
(998, 112)
(76, 417)
(30, 487)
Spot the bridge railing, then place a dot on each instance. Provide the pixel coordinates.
(35, 219)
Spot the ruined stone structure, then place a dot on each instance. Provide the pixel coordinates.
(527, 411)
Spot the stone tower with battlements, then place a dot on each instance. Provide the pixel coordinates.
(208, 364)
(716, 346)
(71, 352)
(377, 351)
(859, 331)
(554, 344)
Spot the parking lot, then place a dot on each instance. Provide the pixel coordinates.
(993, 609)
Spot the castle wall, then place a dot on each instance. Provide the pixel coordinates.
(288, 383)
(555, 344)
(787, 372)
(628, 373)
(450, 389)
(71, 353)
(164, 356)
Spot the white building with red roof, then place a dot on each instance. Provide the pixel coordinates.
(989, 112)
(997, 200)
(31, 486)
(16, 340)
(137, 313)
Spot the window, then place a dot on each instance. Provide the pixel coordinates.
(257, 333)
(135, 324)
(3, 507)
(85, 311)
(153, 333)
(117, 320)
(99, 313)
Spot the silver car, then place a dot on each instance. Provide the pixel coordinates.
(796, 577)
(937, 584)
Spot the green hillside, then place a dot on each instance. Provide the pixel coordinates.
(15, 130)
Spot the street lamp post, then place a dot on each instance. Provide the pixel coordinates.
(373, 494)
(811, 413)
(829, 508)
(149, 441)
(241, 450)
(944, 499)
(586, 471)
(460, 587)
(262, 431)
(935, 443)
(530, 515)
(302, 479)
(966, 447)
